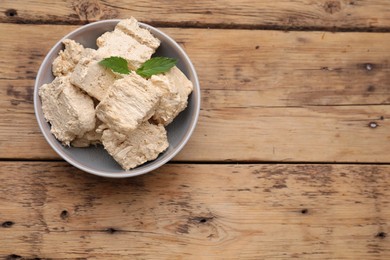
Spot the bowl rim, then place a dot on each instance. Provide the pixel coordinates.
(132, 172)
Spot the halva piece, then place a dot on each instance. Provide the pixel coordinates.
(175, 88)
(130, 101)
(70, 112)
(92, 77)
(128, 41)
(141, 145)
(91, 137)
(143, 36)
(67, 58)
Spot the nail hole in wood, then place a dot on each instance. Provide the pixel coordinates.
(257, 47)
(371, 88)
(7, 224)
(381, 235)
(64, 214)
(13, 257)
(373, 125)
(111, 230)
(304, 211)
(382, 118)
(369, 66)
(11, 12)
(201, 220)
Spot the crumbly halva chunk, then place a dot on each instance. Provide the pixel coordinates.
(143, 36)
(92, 77)
(67, 58)
(175, 87)
(130, 101)
(128, 41)
(70, 112)
(117, 43)
(92, 137)
(142, 145)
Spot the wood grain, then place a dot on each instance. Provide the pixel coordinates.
(306, 95)
(296, 94)
(310, 133)
(277, 68)
(285, 14)
(51, 210)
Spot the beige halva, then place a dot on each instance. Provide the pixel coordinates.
(88, 104)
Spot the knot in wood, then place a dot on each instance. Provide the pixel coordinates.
(88, 9)
(332, 7)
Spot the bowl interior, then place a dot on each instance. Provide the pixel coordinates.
(96, 160)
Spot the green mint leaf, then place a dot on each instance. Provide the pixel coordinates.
(155, 66)
(116, 64)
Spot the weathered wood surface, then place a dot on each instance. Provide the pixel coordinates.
(285, 14)
(266, 95)
(51, 210)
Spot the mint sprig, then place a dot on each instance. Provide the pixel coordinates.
(153, 66)
(116, 64)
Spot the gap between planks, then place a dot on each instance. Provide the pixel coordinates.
(293, 15)
(235, 26)
(27, 160)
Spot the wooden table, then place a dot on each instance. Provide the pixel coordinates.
(290, 158)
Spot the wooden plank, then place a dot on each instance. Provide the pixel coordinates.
(329, 14)
(254, 133)
(280, 68)
(268, 102)
(51, 210)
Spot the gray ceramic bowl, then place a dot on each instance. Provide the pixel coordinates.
(96, 160)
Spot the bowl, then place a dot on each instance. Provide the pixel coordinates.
(96, 160)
